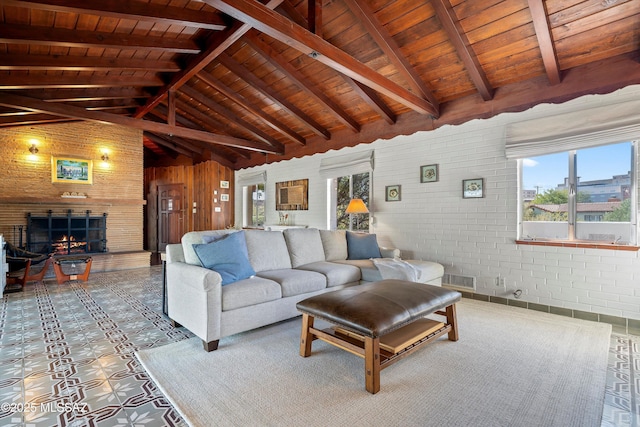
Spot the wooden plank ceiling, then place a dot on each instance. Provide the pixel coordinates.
(245, 82)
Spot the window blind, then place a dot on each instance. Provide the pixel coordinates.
(348, 164)
(602, 125)
(252, 178)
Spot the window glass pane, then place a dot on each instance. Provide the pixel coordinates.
(604, 193)
(255, 205)
(545, 196)
(343, 196)
(361, 191)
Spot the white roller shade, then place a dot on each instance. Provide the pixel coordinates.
(252, 178)
(347, 164)
(603, 125)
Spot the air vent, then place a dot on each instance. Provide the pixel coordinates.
(465, 283)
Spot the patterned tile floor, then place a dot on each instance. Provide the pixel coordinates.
(67, 355)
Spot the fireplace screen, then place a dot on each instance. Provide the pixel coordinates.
(67, 234)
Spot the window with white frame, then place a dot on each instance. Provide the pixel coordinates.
(253, 198)
(348, 177)
(585, 194)
(343, 189)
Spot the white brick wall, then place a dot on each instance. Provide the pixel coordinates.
(475, 236)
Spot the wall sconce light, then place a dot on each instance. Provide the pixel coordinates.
(33, 149)
(105, 157)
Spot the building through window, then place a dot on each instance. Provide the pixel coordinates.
(585, 194)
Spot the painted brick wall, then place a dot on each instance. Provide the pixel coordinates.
(117, 187)
(475, 237)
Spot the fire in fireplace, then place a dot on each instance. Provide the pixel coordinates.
(67, 234)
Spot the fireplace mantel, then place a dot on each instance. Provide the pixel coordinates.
(69, 201)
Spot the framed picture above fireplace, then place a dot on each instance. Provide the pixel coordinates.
(76, 171)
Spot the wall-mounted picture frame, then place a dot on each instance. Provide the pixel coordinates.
(429, 173)
(292, 195)
(392, 193)
(224, 197)
(224, 184)
(473, 188)
(72, 171)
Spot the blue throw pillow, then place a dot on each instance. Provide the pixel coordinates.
(228, 256)
(362, 246)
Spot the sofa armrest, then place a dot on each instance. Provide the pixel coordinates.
(174, 253)
(389, 252)
(194, 276)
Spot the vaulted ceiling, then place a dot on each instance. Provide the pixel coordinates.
(245, 82)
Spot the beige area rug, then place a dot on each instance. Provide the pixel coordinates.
(511, 367)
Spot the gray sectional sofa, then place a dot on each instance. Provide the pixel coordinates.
(283, 268)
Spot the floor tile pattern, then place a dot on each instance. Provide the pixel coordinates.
(67, 352)
(67, 355)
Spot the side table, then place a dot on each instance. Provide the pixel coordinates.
(62, 277)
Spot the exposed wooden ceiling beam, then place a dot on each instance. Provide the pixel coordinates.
(244, 103)
(272, 94)
(139, 11)
(314, 8)
(65, 110)
(313, 91)
(543, 33)
(457, 36)
(20, 81)
(31, 119)
(178, 148)
(82, 63)
(230, 116)
(80, 95)
(280, 28)
(372, 99)
(161, 112)
(26, 34)
(365, 15)
(216, 45)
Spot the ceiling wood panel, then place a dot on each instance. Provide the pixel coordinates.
(250, 77)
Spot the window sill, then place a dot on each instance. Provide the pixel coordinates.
(567, 244)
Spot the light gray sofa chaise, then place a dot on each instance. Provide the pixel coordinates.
(289, 266)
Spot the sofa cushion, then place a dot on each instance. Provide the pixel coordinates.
(336, 274)
(305, 245)
(227, 256)
(255, 290)
(267, 250)
(296, 282)
(334, 243)
(362, 246)
(195, 237)
(368, 271)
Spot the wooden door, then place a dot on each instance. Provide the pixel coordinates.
(170, 214)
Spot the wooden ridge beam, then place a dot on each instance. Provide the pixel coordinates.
(457, 36)
(280, 28)
(134, 10)
(543, 34)
(65, 110)
(45, 36)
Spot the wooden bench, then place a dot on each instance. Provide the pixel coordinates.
(366, 314)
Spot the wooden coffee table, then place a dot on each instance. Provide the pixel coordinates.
(381, 322)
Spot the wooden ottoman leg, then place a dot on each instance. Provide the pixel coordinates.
(306, 338)
(452, 320)
(372, 364)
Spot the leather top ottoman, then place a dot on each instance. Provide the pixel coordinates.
(373, 310)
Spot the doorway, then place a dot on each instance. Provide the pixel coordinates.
(170, 214)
